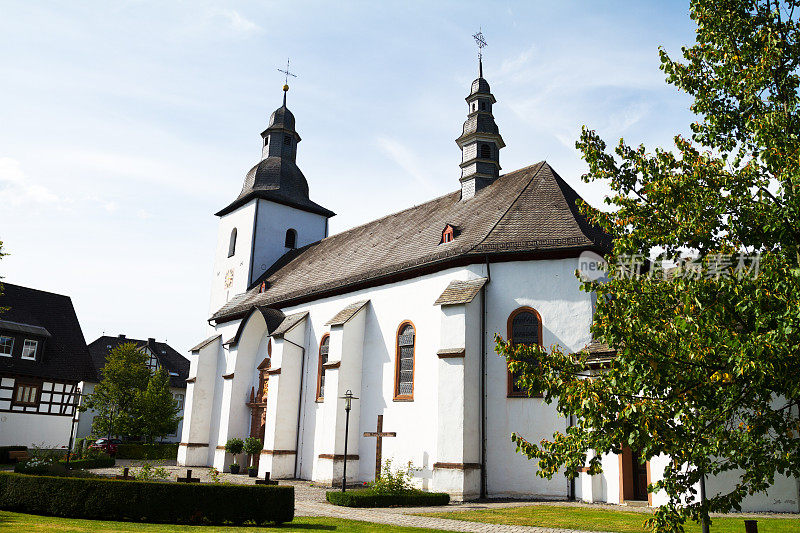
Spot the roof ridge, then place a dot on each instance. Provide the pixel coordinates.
(6, 284)
(501, 217)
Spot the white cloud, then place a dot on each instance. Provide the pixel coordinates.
(405, 159)
(237, 22)
(17, 189)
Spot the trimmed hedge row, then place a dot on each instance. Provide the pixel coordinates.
(147, 451)
(369, 498)
(103, 461)
(172, 503)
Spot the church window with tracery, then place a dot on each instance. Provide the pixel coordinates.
(324, 346)
(232, 243)
(404, 362)
(524, 327)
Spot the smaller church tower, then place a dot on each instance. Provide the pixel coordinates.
(480, 140)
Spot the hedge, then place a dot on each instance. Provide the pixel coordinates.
(147, 451)
(103, 461)
(369, 498)
(4, 452)
(172, 503)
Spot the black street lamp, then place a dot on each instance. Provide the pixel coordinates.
(348, 398)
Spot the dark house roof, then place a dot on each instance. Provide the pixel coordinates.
(168, 358)
(525, 214)
(64, 354)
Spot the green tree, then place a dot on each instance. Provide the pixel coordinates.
(708, 357)
(157, 410)
(125, 377)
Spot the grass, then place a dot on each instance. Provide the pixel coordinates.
(25, 522)
(583, 518)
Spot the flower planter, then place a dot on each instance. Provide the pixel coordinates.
(234, 468)
(252, 471)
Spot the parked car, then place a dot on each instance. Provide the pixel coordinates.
(109, 446)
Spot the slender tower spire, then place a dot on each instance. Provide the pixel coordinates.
(480, 140)
(287, 73)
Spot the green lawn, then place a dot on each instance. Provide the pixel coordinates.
(26, 522)
(604, 520)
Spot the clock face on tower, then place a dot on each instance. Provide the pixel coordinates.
(228, 278)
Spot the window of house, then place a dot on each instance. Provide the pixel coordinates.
(26, 394)
(29, 349)
(404, 362)
(152, 361)
(524, 327)
(179, 400)
(448, 234)
(323, 358)
(486, 151)
(232, 243)
(291, 238)
(6, 345)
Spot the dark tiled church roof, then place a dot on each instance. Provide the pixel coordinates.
(64, 355)
(529, 212)
(168, 358)
(460, 292)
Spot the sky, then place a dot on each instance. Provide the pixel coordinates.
(124, 126)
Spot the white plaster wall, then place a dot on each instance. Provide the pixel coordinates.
(227, 331)
(550, 287)
(273, 221)
(242, 219)
(42, 431)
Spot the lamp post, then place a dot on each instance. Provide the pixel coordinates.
(348, 398)
(72, 423)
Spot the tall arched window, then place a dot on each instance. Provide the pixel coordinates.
(232, 243)
(524, 327)
(324, 345)
(404, 362)
(291, 238)
(486, 151)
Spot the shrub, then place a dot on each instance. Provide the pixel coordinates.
(370, 498)
(174, 503)
(4, 459)
(101, 461)
(40, 466)
(147, 451)
(397, 482)
(234, 446)
(149, 473)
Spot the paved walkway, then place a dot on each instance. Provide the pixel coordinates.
(310, 501)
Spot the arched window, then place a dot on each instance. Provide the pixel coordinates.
(324, 345)
(232, 243)
(524, 327)
(291, 238)
(404, 362)
(486, 151)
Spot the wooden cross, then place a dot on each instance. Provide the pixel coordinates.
(266, 480)
(188, 478)
(124, 475)
(379, 434)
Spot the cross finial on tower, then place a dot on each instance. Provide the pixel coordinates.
(481, 42)
(286, 73)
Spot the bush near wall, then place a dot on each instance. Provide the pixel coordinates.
(172, 503)
(147, 451)
(4, 459)
(369, 498)
(103, 461)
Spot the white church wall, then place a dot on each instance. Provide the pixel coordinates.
(227, 331)
(272, 222)
(413, 421)
(241, 219)
(550, 287)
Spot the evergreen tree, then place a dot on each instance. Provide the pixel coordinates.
(157, 408)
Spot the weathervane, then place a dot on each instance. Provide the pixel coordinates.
(481, 42)
(286, 73)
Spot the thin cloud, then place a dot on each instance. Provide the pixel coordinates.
(405, 159)
(16, 189)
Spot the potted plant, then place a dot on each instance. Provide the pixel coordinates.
(252, 446)
(234, 447)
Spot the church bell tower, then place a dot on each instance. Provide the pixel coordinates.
(272, 215)
(480, 139)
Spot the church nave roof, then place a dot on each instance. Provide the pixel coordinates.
(527, 213)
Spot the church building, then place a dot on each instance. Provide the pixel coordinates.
(401, 312)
